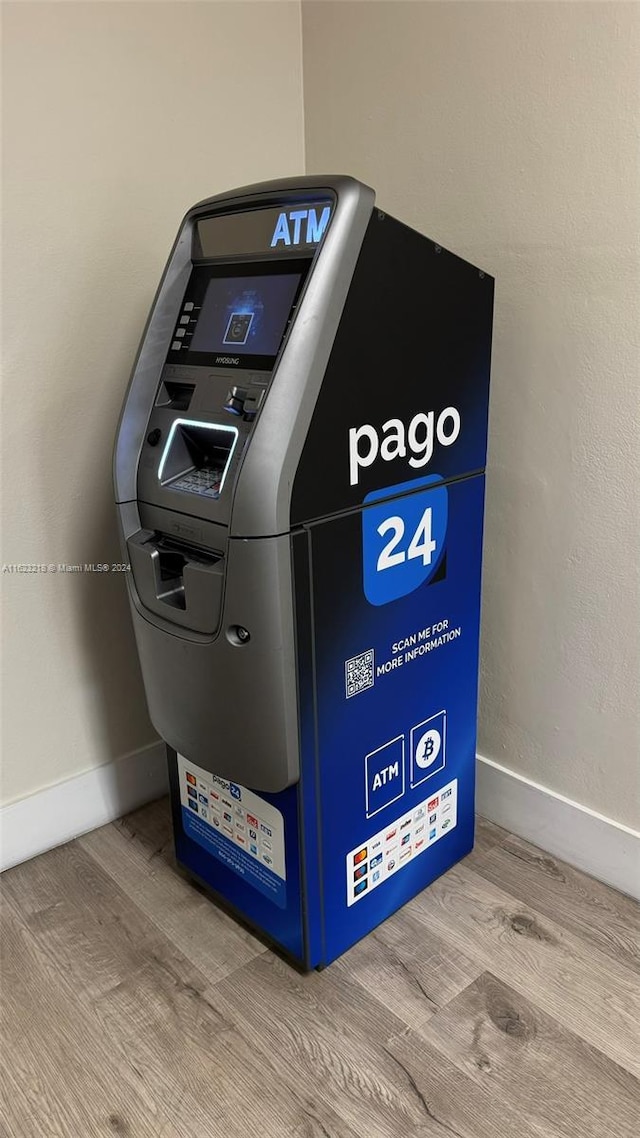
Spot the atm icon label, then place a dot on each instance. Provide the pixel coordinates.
(384, 776)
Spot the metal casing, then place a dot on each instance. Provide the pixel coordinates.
(199, 683)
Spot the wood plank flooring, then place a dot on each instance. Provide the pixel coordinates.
(503, 1001)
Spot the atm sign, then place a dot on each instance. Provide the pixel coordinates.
(300, 227)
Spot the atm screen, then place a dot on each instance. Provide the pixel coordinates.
(242, 314)
(245, 314)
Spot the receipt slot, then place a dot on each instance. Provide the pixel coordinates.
(299, 478)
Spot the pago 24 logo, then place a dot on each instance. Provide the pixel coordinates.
(403, 539)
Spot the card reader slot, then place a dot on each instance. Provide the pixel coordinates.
(175, 396)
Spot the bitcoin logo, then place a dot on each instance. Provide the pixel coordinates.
(428, 748)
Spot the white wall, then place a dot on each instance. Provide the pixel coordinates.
(118, 116)
(507, 132)
(502, 130)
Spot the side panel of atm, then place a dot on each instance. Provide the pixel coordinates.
(396, 676)
(390, 489)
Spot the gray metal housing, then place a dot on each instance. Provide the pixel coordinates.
(229, 706)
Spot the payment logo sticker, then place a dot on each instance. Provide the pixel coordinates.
(365, 873)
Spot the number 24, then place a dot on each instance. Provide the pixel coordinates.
(421, 544)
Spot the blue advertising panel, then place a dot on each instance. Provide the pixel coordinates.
(396, 672)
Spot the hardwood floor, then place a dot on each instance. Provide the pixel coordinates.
(503, 1001)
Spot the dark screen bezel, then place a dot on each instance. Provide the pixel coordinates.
(202, 273)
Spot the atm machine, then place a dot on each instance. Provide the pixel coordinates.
(299, 478)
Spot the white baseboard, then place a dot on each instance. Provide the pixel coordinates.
(595, 844)
(579, 836)
(59, 813)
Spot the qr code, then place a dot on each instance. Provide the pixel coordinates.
(358, 673)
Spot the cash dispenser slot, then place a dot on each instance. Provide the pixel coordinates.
(176, 581)
(197, 457)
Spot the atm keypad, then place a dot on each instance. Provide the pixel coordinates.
(205, 481)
